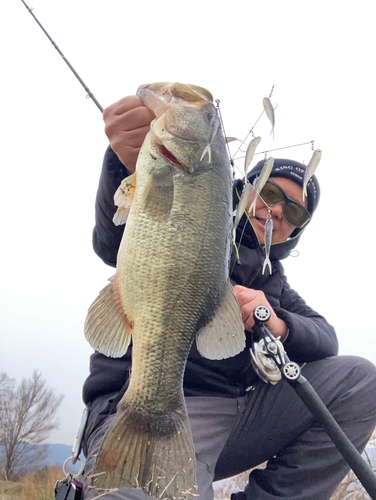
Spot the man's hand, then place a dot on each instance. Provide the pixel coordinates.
(126, 124)
(248, 299)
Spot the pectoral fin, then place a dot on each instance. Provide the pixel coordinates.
(123, 199)
(159, 193)
(107, 328)
(224, 336)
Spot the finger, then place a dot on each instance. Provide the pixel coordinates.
(132, 138)
(238, 289)
(122, 106)
(119, 133)
(141, 87)
(135, 118)
(128, 156)
(245, 308)
(246, 296)
(249, 322)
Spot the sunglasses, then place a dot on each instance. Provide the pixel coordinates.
(293, 212)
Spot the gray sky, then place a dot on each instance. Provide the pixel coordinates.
(319, 55)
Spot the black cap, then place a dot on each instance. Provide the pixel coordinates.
(293, 170)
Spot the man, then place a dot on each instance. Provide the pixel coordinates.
(237, 420)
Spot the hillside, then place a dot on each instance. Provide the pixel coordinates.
(56, 455)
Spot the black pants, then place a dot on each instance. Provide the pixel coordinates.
(270, 423)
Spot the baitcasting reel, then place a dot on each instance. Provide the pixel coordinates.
(269, 358)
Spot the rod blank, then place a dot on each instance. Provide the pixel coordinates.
(89, 93)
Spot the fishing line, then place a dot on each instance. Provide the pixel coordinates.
(277, 149)
(89, 95)
(217, 101)
(284, 147)
(258, 119)
(237, 261)
(250, 132)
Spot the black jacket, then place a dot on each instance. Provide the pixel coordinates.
(310, 336)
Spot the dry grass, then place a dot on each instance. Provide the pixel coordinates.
(10, 490)
(232, 485)
(35, 486)
(349, 489)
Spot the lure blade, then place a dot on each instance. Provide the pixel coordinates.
(249, 154)
(310, 170)
(268, 243)
(261, 180)
(269, 110)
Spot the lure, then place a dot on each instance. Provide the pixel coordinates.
(249, 154)
(261, 180)
(310, 170)
(214, 124)
(268, 107)
(268, 243)
(244, 199)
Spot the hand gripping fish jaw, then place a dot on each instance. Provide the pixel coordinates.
(271, 363)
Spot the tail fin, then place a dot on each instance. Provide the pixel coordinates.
(154, 454)
(267, 263)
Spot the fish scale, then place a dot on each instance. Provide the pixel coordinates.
(171, 287)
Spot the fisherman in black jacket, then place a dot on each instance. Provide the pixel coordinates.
(237, 420)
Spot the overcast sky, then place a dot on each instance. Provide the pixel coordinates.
(320, 57)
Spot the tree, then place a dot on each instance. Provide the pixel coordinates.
(27, 416)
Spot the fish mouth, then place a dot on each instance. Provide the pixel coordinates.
(167, 154)
(161, 136)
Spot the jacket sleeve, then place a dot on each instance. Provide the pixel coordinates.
(107, 236)
(310, 336)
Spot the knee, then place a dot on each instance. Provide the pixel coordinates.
(357, 382)
(360, 369)
(344, 380)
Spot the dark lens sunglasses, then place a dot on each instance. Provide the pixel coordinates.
(293, 212)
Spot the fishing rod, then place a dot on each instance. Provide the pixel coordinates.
(89, 93)
(272, 364)
(271, 349)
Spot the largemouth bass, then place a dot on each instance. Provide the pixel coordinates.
(171, 286)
